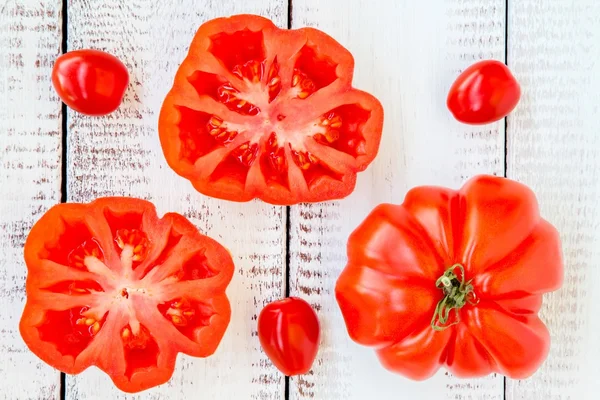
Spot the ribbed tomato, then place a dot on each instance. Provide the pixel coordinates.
(261, 112)
(455, 279)
(110, 284)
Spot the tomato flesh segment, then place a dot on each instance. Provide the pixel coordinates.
(75, 288)
(314, 71)
(237, 164)
(186, 315)
(274, 80)
(237, 48)
(140, 347)
(196, 268)
(195, 134)
(89, 248)
(232, 98)
(341, 128)
(72, 330)
(312, 167)
(274, 163)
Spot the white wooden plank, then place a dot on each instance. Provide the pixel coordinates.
(407, 53)
(121, 155)
(554, 146)
(30, 157)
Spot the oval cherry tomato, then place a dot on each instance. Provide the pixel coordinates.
(91, 82)
(261, 112)
(111, 284)
(483, 93)
(289, 333)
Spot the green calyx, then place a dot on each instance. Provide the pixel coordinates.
(457, 293)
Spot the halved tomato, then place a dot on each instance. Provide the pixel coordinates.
(110, 284)
(261, 112)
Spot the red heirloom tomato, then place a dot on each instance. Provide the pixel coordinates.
(289, 333)
(455, 279)
(483, 93)
(91, 82)
(261, 112)
(110, 284)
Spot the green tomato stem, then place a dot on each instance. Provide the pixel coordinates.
(457, 293)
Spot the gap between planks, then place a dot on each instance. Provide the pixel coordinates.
(63, 169)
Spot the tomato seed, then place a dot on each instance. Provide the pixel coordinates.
(215, 121)
(95, 328)
(134, 238)
(126, 333)
(332, 135)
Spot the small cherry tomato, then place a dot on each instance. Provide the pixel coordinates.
(483, 93)
(91, 82)
(289, 333)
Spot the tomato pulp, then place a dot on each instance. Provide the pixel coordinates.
(110, 284)
(91, 82)
(483, 93)
(261, 112)
(289, 333)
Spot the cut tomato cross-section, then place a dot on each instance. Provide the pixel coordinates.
(261, 112)
(110, 284)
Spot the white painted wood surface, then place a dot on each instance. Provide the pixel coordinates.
(407, 54)
(554, 146)
(30, 159)
(121, 155)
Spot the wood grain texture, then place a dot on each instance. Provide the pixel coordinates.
(120, 155)
(407, 53)
(554, 146)
(30, 156)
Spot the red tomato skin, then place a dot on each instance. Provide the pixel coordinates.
(492, 227)
(91, 82)
(483, 93)
(289, 333)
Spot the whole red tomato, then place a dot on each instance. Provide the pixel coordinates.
(256, 111)
(111, 284)
(91, 82)
(289, 333)
(483, 93)
(455, 279)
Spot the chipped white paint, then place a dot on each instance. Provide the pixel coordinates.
(30, 149)
(120, 155)
(407, 54)
(554, 146)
